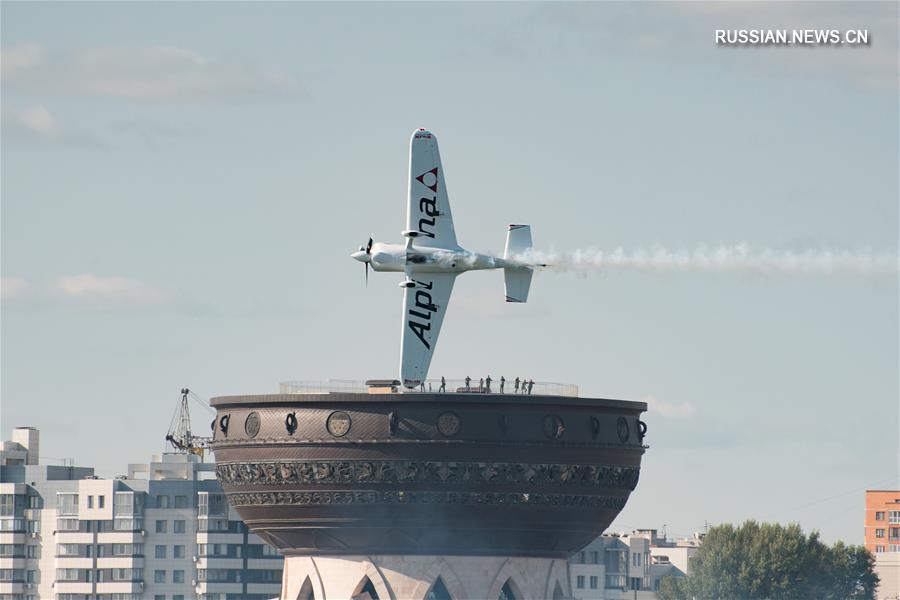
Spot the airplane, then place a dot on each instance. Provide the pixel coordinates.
(431, 259)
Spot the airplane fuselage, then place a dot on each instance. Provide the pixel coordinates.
(414, 259)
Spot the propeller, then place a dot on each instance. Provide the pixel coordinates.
(368, 253)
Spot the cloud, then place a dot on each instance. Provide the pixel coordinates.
(683, 410)
(35, 124)
(85, 291)
(143, 74)
(91, 288)
(13, 287)
(19, 58)
(683, 34)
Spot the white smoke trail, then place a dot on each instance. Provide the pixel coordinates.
(738, 258)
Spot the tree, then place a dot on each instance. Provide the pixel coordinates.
(672, 588)
(768, 561)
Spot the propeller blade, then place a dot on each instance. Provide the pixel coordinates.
(367, 274)
(369, 246)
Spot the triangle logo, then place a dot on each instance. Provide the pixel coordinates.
(421, 179)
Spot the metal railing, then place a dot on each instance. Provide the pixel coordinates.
(449, 386)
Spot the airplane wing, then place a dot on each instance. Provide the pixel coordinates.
(423, 312)
(428, 210)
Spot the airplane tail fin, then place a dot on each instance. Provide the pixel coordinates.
(517, 279)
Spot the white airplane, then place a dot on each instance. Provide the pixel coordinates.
(431, 259)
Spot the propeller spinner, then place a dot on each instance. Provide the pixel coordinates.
(364, 255)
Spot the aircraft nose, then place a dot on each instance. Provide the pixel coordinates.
(360, 255)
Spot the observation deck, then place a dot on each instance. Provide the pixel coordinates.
(345, 468)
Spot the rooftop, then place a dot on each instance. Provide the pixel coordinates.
(474, 385)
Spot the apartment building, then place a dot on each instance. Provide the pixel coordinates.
(164, 531)
(882, 521)
(882, 535)
(612, 567)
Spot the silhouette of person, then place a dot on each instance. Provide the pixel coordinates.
(530, 386)
(502, 383)
(468, 381)
(443, 387)
(422, 386)
(429, 387)
(487, 382)
(481, 384)
(517, 386)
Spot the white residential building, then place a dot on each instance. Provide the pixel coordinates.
(162, 532)
(612, 567)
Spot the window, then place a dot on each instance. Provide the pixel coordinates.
(31, 576)
(595, 557)
(879, 533)
(894, 533)
(879, 548)
(582, 557)
(67, 504)
(159, 597)
(159, 576)
(161, 527)
(160, 552)
(178, 576)
(162, 502)
(879, 515)
(90, 502)
(101, 501)
(180, 501)
(593, 582)
(178, 597)
(123, 504)
(178, 526)
(12, 505)
(177, 551)
(579, 582)
(894, 516)
(31, 551)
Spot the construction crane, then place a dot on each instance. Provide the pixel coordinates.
(180, 435)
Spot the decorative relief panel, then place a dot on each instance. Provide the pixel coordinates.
(443, 498)
(436, 472)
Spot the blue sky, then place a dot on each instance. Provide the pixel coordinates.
(182, 184)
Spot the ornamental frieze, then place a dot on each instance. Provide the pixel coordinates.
(428, 472)
(441, 498)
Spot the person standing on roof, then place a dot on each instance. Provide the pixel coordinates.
(468, 381)
(517, 386)
(443, 387)
(502, 383)
(488, 381)
(530, 386)
(481, 385)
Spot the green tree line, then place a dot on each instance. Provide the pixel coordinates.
(768, 561)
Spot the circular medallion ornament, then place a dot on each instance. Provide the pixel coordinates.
(338, 423)
(251, 424)
(554, 427)
(448, 424)
(623, 430)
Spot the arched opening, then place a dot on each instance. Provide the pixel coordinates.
(507, 592)
(365, 590)
(438, 591)
(306, 590)
(557, 592)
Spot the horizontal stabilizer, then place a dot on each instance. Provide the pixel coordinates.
(518, 281)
